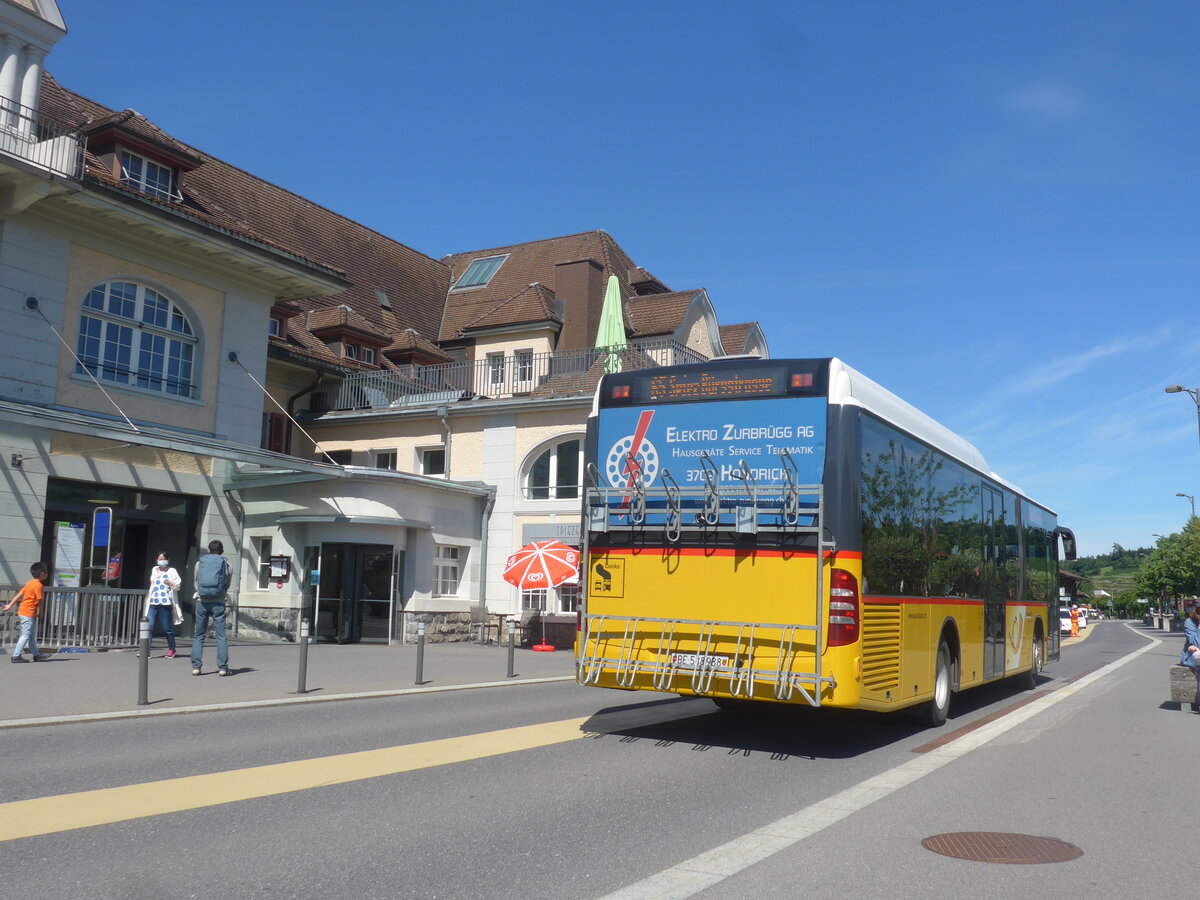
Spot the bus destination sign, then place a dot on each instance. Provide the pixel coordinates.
(711, 386)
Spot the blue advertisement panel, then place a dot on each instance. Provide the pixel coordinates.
(100, 524)
(677, 437)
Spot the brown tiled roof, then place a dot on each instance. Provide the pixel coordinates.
(238, 202)
(660, 313)
(139, 125)
(533, 303)
(342, 317)
(409, 341)
(733, 337)
(528, 263)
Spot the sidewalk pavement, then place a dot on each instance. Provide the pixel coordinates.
(97, 685)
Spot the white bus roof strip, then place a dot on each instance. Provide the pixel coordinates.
(849, 387)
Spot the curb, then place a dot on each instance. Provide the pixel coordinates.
(256, 704)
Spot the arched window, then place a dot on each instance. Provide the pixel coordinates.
(131, 334)
(554, 473)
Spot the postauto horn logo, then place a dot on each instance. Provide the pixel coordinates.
(617, 467)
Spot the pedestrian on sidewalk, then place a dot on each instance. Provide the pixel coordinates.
(212, 581)
(30, 598)
(162, 601)
(1191, 648)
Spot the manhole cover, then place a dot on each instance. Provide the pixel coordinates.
(1001, 847)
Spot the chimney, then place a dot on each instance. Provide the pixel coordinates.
(579, 286)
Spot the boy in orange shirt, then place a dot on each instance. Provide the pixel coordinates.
(29, 610)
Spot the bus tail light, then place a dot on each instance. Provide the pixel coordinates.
(843, 608)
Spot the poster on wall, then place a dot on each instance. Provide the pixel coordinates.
(68, 553)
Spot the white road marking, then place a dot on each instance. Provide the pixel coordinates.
(710, 868)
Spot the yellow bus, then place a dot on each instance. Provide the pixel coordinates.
(789, 531)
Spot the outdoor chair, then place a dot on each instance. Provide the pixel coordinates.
(483, 625)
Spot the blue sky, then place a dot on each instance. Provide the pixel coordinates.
(988, 208)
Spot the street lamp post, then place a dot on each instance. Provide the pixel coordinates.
(1195, 395)
(1193, 501)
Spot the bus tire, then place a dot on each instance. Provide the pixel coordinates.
(933, 712)
(1029, 681)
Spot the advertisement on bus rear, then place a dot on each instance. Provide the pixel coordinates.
(680, 438)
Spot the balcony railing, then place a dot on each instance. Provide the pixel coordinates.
(40, 141)
(560, 374)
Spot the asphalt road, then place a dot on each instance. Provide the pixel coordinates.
(563, 791)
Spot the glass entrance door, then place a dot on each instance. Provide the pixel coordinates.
(355, 591)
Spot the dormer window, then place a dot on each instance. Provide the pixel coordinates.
(367, 355)
(275, 327)
(480, 272)
(350, 351)
(147, 176)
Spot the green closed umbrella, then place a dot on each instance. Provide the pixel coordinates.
(610, 336)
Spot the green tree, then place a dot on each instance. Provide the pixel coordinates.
(1173, 566)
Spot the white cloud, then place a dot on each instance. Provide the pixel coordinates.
(1046, 101)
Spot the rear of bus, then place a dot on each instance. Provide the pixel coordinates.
(712, 558)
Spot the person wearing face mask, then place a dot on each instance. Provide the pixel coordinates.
(162, 601)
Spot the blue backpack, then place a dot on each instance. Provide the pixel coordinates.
(212, 577)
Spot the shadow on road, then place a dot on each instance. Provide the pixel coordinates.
(785, 732)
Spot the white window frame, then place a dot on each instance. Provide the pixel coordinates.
(275, 327)
(534, 601)
(495, 369)
(349, 351)
(367, 355)
(378, 454)
(141, 180)
(448, 563)
(552, 486)
(569, 596)
(138, 337)
(523, 366)
(422, 466)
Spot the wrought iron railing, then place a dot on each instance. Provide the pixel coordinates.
(37, 139)
(558, 374)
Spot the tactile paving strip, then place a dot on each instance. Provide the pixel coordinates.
(1001, 847)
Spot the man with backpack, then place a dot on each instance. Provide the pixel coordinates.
(212, 581)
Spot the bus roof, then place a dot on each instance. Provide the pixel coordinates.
(849, 387)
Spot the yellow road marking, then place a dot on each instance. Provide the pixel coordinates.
(65, 812)
(85, 809)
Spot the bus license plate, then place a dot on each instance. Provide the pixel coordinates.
(699, 661)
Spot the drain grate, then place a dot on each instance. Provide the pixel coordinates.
(1001, 847)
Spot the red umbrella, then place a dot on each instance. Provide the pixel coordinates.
(542, 564)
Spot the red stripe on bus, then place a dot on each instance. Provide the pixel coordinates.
(717, 551)
(948, 601)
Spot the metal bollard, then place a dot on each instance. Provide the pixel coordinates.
(302, 675)
(420, 653)
(144, 661)
(512, 647)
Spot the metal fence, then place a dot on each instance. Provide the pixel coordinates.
(93, 617)
(39, 140)
(519, 374)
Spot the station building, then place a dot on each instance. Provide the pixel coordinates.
(198, 354)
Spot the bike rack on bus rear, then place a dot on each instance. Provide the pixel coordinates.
(652, 646)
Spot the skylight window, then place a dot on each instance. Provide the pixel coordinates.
(480, 271)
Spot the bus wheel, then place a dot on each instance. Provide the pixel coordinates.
(1029, 680)
(933, 713)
